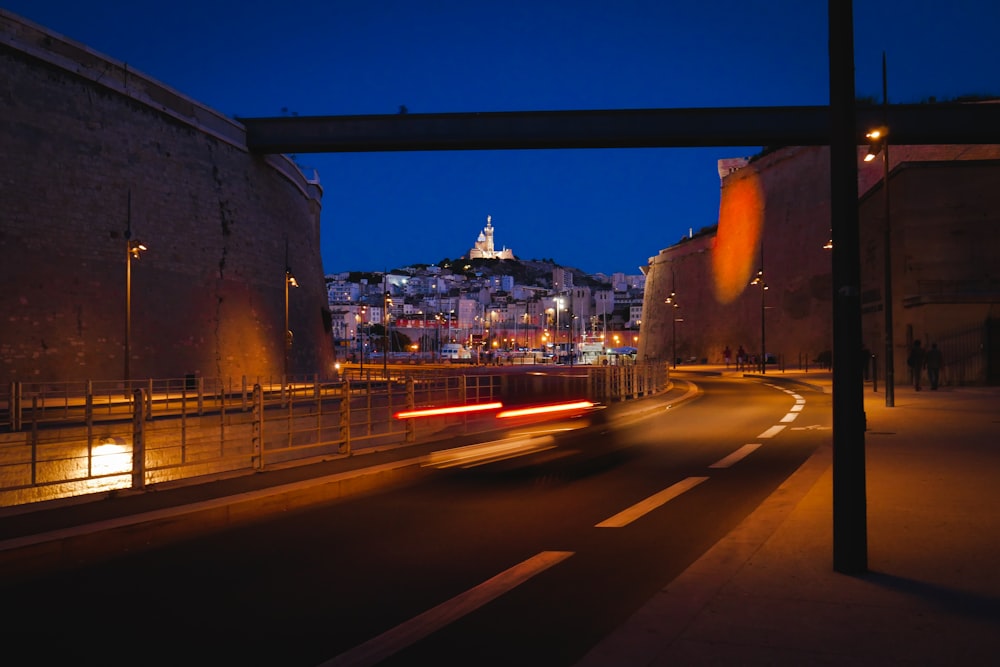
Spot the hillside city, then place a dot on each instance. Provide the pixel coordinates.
(486, 306)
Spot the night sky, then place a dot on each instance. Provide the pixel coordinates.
(596, 210)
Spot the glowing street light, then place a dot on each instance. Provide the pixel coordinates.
(878, 142)
(759, 281)
(132, 250)
(672, 302)
(289, 282)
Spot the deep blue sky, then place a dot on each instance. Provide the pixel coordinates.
(597, 210)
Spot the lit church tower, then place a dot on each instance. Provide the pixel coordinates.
(484, 248)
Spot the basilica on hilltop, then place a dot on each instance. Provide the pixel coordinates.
(484, 248)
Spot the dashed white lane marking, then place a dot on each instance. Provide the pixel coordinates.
(403, 635)
(798, 407)
(627, 516)
(771, 432)
(736, 456)
(790, 417)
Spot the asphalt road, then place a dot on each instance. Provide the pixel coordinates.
(492, 565)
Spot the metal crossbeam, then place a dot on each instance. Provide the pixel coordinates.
(912, 124)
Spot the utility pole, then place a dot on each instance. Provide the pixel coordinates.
(850, 527)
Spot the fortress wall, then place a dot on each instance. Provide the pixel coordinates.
(949, 213)
(83, 136)
(794, 209)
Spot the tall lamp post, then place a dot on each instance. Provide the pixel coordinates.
(759, 281)
(878, 142)
(289, 282)
(385, 325)
(362, 317)
(132, 250)
(556, 337)
(672, 302)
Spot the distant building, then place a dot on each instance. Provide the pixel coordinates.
(562, 280)
(484, 248)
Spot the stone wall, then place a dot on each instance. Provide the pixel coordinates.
(944, 220)
(90, 147)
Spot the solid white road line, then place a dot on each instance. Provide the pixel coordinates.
(629, 515)
(403, 635)
(736, 456)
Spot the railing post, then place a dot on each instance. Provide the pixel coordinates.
(201, 396)
(15, 406)
(463, 399)
(138, 441)
(411, 403)
(149, 400)
(345, 415)
(88, 418)
(258, 428)
(34, 440)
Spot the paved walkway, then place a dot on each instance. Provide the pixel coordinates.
(767, 594)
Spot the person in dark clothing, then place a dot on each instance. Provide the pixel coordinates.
(916, 363)
(933, 360)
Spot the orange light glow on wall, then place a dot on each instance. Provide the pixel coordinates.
(741, 223)
(448, 410)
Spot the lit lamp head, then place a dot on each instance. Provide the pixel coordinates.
(876, 139)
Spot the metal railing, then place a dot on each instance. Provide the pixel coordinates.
(69, 439)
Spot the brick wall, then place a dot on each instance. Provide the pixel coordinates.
(82, 135)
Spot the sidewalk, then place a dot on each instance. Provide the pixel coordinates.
(767, 594)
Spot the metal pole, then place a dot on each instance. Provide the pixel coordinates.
(385, 325)
(128, 296)
(763, 307)
(284, 372)
(763, 346)
(850, 541)
(673, 315)
(128, 309)
(890, 383)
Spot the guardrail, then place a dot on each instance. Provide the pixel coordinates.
(72, 439)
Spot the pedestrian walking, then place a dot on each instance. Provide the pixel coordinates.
(727, 355)
(916, 363)
(741, 358)
(933, 360)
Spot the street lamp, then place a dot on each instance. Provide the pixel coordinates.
(132, 250)
(289, 282)
(386, 302)
(672, 302)
(759, 281)
(556, 337)
(878, 142)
